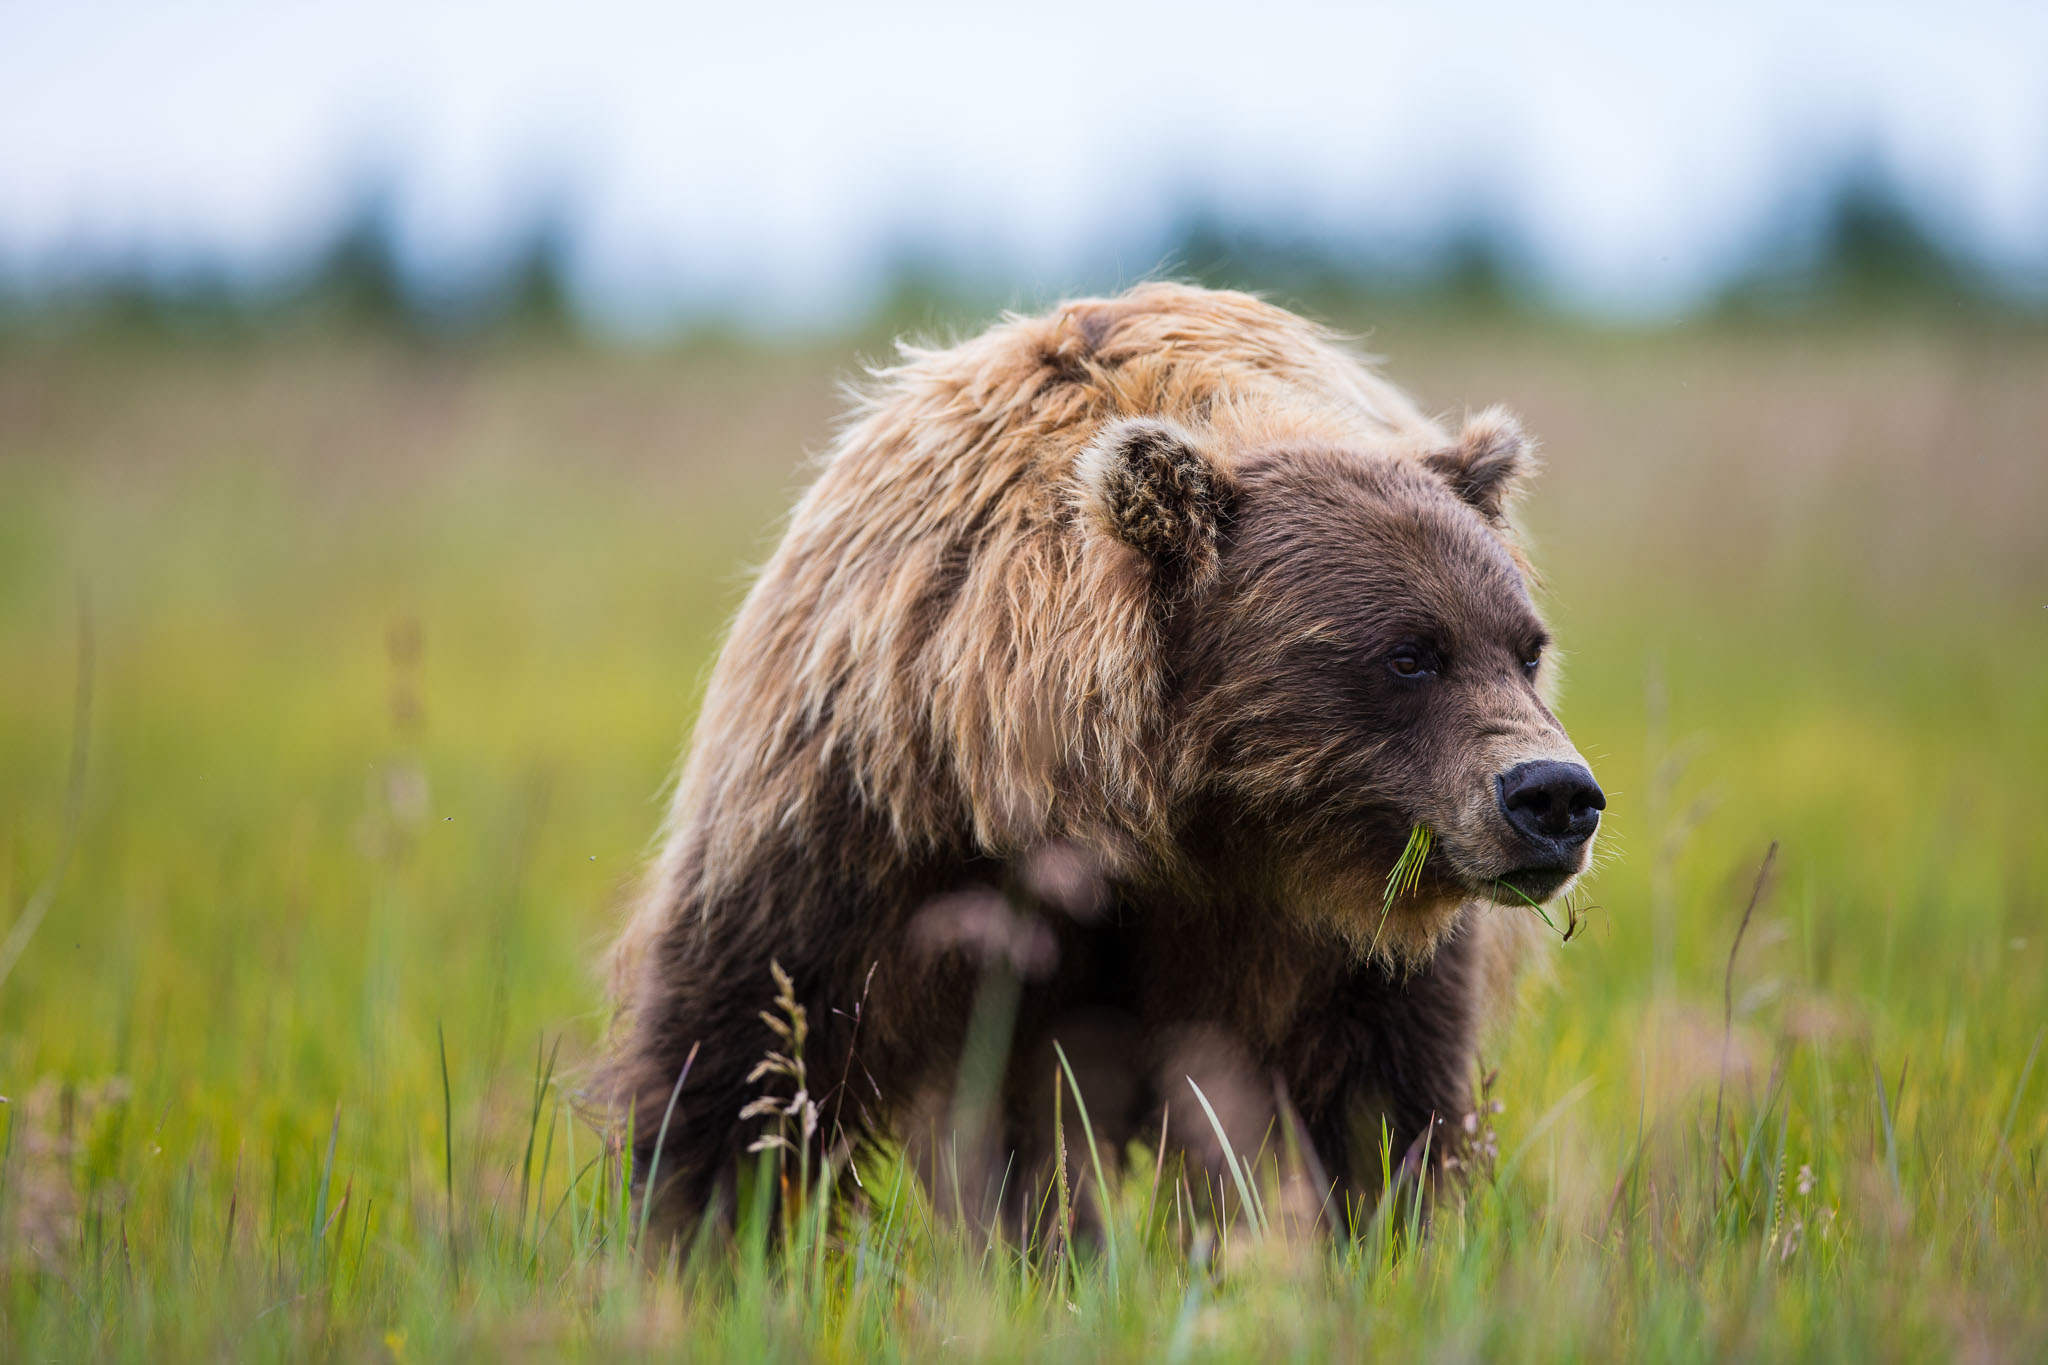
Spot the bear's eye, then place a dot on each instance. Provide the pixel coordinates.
(1529, 664)
(1410, 663)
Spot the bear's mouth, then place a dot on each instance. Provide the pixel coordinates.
(1526, 884)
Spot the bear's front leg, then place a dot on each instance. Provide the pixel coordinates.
(1385, 1076)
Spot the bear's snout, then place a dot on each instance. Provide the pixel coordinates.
(1554, 806)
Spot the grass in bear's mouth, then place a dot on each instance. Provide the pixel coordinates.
(1406, 874)
(1576, 910)
(1529, 901)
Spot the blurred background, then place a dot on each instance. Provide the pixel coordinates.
(393, 398)
(644, 169)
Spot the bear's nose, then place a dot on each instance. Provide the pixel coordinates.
(1555, 806)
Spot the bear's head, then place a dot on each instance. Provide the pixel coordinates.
(1351, 655)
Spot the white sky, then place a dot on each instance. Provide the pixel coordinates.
(767, 156)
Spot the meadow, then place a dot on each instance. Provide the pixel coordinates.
(340, 677)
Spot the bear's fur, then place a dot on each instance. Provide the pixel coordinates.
(1072, 672)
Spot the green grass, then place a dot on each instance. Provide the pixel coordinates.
(391, 652)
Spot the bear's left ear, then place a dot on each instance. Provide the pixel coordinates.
(1149, 484)
(1490, 463)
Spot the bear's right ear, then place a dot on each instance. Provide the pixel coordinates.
(1489, 464)
(1148, 483)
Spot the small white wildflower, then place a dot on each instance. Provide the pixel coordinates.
(1786, 1240)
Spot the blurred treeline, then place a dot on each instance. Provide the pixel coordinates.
(1858, 246)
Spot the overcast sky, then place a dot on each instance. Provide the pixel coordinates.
(768, 156)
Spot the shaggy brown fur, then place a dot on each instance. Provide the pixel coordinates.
(1074, 656)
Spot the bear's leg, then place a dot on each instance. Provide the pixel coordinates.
(1046, 1124)
(697, 1040)
(1406, 1085)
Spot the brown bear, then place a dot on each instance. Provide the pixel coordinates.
(1117, 653)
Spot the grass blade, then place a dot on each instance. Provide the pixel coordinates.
(320, 1197)
(448, 1150)
(1095, 1158)
(660, 1141)
(1237, 1175)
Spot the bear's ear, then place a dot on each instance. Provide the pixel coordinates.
(1490, 463)
(1149, 484)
